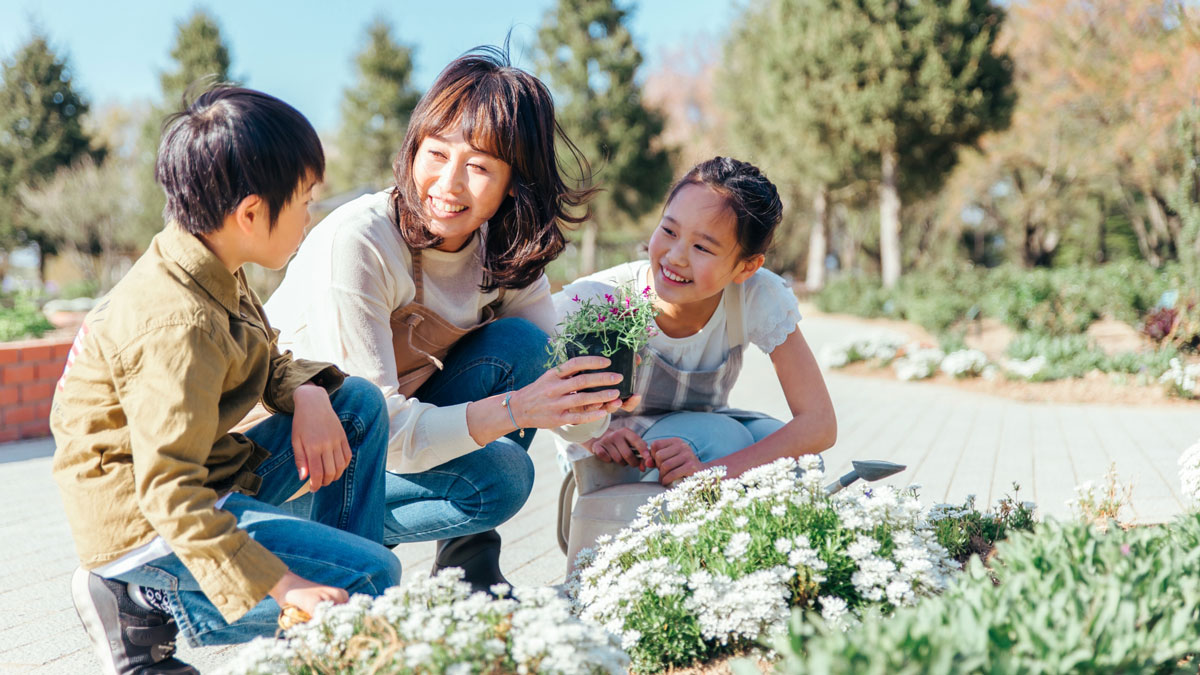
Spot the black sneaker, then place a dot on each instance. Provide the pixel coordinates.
(127, 638)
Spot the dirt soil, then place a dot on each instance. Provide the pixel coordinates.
(718, 667)
(993, 337)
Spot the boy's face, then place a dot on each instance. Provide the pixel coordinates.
(277, 246)
(461, 187)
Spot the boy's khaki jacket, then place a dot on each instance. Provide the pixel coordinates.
(176, 355)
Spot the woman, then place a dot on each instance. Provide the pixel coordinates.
(435, 290)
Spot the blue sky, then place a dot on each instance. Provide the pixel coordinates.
(303, 50)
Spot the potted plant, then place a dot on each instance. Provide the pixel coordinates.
(616, 326)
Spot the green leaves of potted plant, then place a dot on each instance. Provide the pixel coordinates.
(616, 326)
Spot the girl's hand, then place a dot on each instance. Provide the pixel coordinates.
(296, 590)
(623, 446)
(555, 399)
(675, 459)
(318, 439)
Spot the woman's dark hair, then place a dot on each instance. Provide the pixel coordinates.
(508, 114)
(228, 144)
(752, 198)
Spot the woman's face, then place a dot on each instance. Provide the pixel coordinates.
(460, 187)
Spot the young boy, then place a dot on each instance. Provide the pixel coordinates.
(172, 514)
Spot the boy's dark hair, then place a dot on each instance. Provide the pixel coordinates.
(509, 114)
(752, 198)
(228, 144)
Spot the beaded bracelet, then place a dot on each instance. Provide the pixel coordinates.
(520, 431)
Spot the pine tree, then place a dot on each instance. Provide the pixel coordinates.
(588, 57)
(200, 56)
(375, 112)
(41, 127)
(904, 84)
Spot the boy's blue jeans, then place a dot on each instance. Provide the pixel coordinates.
(337, 545)
(482, 489)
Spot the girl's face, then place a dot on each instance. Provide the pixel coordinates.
(694, 252)
(461, 187)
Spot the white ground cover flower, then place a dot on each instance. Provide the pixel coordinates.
(722, 562)
(1189, 475)
(964, 363)
(436, 625)
(1181, 380)
(879, 346)
(1025, 369)
(918, 362)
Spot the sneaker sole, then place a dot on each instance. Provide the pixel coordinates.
(93, 618)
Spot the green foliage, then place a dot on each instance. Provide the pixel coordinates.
(41, 127)
(1068, 598)
(1070, 356)
(375, 112)
(964, 530)
(590, 62)
(21, 318)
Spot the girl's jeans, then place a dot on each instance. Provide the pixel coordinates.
(711, 435)
(480, 490)
(336, 545)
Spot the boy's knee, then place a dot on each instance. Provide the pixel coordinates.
(361, 397)
(382, 571)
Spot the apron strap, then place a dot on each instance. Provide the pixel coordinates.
(735, 328)
(418, 280)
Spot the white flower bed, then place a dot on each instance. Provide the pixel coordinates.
(714, 565)
(435, 625)
(1181, 379)
(918, 363)
(1026, 369)
(881, 346)
(964, 363)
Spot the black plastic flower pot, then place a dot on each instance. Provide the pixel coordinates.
(622, 360)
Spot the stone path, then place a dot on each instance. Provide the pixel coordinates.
(955, 443)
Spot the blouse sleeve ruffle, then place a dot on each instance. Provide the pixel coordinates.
(772, 310)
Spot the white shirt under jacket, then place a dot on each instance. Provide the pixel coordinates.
(338, 295)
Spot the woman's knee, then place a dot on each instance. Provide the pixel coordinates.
(503, 476)
(523, 346)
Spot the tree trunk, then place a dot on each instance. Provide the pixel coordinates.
(889, 220)
(587, 249)
(818, 242)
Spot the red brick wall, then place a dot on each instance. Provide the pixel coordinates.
(29, 370)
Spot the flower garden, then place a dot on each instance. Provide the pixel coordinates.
(868, 580)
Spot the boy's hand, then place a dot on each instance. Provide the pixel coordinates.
(675, 459)
(318, 439)
(296, 590)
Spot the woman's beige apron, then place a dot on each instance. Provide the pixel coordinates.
(421, 338)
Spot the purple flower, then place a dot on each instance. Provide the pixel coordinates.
(600, 318)
(1124, 549)
(609, 298)
(646, 292)
(575, 299)
(613, 311)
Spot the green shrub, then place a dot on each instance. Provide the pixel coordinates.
(20, 318)
(1070, 356)
(1067, 598)
(855, 295)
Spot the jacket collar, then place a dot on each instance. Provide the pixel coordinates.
(187, 251)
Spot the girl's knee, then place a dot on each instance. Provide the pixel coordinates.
(711, 435)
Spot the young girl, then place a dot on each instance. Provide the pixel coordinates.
(434, 290)
(714, 295)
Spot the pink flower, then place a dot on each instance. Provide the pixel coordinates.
(600, 318)
(1124, 549)
(646, 292)
(609, 298)
(575, 299)
(627, 301)
(613, 311)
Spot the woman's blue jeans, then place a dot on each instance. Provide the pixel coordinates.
(482, 489)
(337, 545)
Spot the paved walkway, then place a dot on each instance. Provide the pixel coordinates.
(955, 443)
